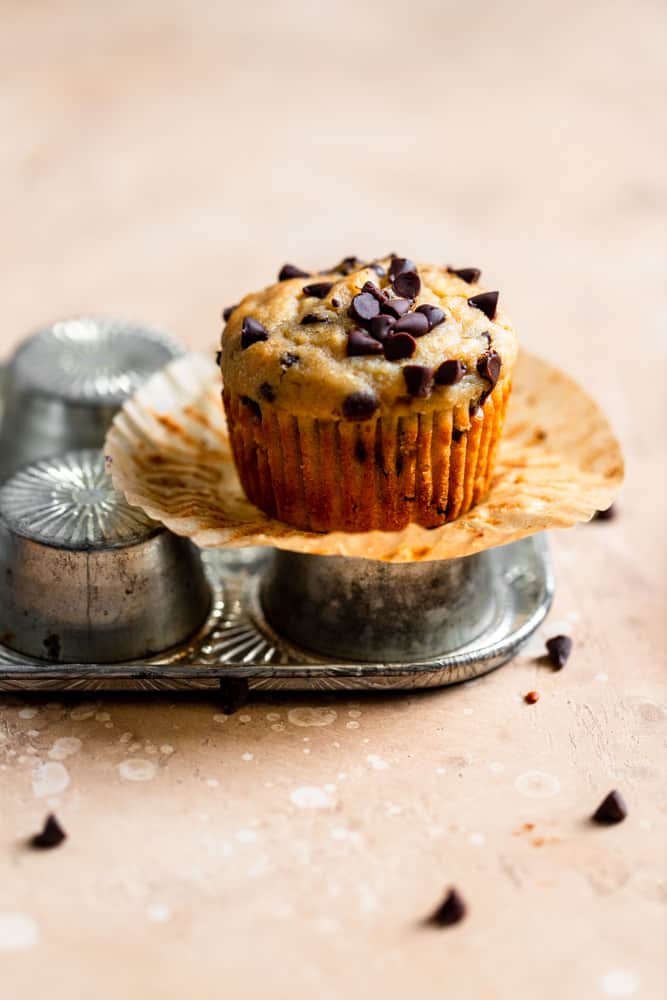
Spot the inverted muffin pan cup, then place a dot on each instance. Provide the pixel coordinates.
(93, 594)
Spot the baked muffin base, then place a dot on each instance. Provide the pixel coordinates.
(326, 475)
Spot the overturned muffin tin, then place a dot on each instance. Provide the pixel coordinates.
(95, 595)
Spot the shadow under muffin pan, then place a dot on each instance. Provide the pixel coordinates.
(95, 595)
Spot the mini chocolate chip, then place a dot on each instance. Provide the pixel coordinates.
(611, 810)
(414, 323)
(559, 649)
(319, 290)
(489, 366)
(451, 911)
(310, 318)
(468, 274)
(360, 450)
(287, 360)
(234, 693)
(226, 313)
(434, 314)
(401, 265)
(605, 515)
(376, 292)
(418, 380)
(252, 332)
(346, 266)
(218, 357)
(457, 434)
(532, 697)
(450, 372)
(407, 284)
(267, 392)
(360, 405)
(364, 307)
(487, 302)
(288, 271)
(360, 343)
(379, 269)
(395, 307)
(381, 326)
(254, 407)
(335, 303)
(51, 834)
(398, 346)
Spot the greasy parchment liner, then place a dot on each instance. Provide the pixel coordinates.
(168, 452)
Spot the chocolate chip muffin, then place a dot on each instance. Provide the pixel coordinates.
(369, 395)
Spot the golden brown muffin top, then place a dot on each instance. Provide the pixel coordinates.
(363, 340)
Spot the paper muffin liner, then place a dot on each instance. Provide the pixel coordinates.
(384, 473)
(558, 462)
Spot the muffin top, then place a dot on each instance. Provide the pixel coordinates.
(367, 339)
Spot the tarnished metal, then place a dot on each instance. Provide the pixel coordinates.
(84, 576)
(63, 385)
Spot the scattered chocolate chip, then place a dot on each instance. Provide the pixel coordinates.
(376, 292)
(51, 835)
(288, 271)
(407, 284)
(350, 264)
(381, 326)
(218, 357)
(395, 307)
(469, 274)
(531, 697)
(418, 380)
(401, 265)
(611, 810)
(489, 366)
(234, 693)
(226, 313)
(450, 372)
(360, 343)
(254, 407)
(267, 392)
(415, 323)
(288, 359)
(379, 269)
(605, 515)
(487, 302)
(360, 405)
(335, 303)
(360, 450)
(252, 332)
(318, 290)
(559, 649)
(398, 346)
(310, 318)
(364, 307)
(451, 911)
(457, 434)
(434, 314)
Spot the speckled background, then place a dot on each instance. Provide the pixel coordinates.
(160, 158)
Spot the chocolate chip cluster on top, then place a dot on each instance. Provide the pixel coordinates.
(363, 339)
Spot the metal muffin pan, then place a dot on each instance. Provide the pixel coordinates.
(94, 595)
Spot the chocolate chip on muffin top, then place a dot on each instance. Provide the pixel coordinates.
(409, 337)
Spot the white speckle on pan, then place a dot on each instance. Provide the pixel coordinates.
(312, 716)
(166, 749)
(368, 901)
(247, 756)
(602, 677)
(342, 775)
(102, 717)
(306, 749)
(392, 809)
(619, 983)
(27, 713)
(467, 711)
(311, 797)
(326, 925)
(537, 785)
(159, 913)
(645, 824)
(477, 839)
(344, 833)
(136, 769)
(329, 787)
(86, 710)
(245, 718)
(212, 782)
(440, 770)
(376, 762)
(496, 767)
(352, 725)
(278, 727)
(64, 747)
(220, 718)
(246, 836)
(49, 779)
(126, 738)
(18, 932)
(354, 713)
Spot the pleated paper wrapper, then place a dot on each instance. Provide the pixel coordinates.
(168, 451)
